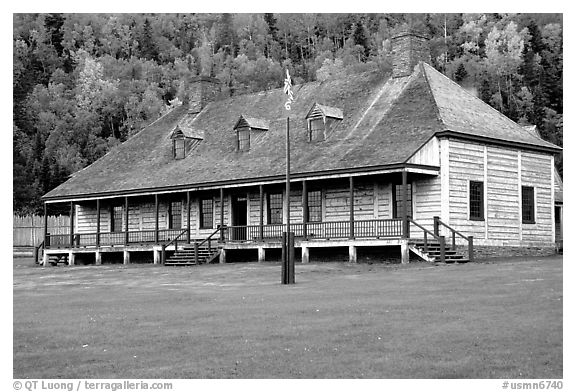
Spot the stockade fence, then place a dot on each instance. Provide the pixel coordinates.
(29, 230)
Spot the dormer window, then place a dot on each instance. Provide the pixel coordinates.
(316, 129)
(245, 128)
(179, 146)
(243, 137)
(184, 140)
(321, 121)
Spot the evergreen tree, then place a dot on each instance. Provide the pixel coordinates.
(460, 73)
(271, 22)
(148, 48)
(53, 23)
(225, 35)
(360, 38)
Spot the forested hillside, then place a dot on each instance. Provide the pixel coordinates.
(83, 83)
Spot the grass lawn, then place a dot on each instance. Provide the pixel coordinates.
(477, 320)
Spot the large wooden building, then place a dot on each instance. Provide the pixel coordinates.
(376, 160)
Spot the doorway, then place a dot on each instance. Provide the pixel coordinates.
(239, 218)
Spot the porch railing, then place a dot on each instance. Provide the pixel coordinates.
(371, 228)
(374, 228)
(110, 238)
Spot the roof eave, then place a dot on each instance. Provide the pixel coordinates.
(506, 143)
(391, 168)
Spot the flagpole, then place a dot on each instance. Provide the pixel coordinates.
(288, 173)
(289, 234)
(288, 239)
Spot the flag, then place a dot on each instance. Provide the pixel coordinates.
(288, 90)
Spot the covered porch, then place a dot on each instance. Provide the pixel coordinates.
(374, 209)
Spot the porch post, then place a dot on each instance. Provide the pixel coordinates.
(126, 219)
(71, 224)
(97, 223)
(351, 207)
(304, 210)
(405, 228)
(46, 240)
(156, 213)
(188, 215)
(221, 214)
(261, 213)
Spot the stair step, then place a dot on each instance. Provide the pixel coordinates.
(182, 259)
(446, 254)
(188, 247)
(192, 253)
(182, 264)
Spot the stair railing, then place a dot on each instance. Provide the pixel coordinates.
(470, 239)
(37, 251)
(168, 243)
(206, 240)
(440, 238)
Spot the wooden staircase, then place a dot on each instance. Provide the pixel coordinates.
(54, 260)
(186, 255)
(432, 252)
(433, 246)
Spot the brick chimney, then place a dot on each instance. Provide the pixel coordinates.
(408, 48)
(201, 91)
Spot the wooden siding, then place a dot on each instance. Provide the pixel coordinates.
(147, 218)
(140, 217)
(384, 201)
(216, 215)
(466, 164)
(503, 172)
(363, 201)
(536, 172)
(295, 206)
(503, 201)
(426, 200)
(254, 208)
(85, 221)
(428, 154)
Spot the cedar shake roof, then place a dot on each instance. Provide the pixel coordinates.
(326, 111)
(464, 113)
(187, 129)
(256, 123)
(386, 120)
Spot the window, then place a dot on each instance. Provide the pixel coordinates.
(206, 213)
(397, 198)
(116, 217)
(476, 200)
(175, 215)
(528, 204)
(275, 208)
(316, 129)
(243, 138)
(315, 206)
(179, 146)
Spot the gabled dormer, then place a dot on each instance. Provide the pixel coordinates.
(321, 120)
(247, 128)
(183, 141)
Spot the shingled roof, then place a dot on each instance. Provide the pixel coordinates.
(385, 121)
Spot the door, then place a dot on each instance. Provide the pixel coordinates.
(239, 218)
